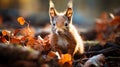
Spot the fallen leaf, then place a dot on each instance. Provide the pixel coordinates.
(21, 20)
(27, 31)
(66, 58)
(16, 32)
(3, 39)
(14, 40)
(4, 32)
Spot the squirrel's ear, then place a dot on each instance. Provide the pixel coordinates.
(69, 11)
(52, 11)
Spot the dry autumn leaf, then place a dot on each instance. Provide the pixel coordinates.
(66, 58)
(3, 39)
(21, 20)
(16, 32)
(115, 21)
(27, 31)
(4, 32)
(15, 41)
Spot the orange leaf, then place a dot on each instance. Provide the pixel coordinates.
(4, 32)
(66, 58)
(21, 20)
(16, 32)
(31, 41)
(3, 39)
(15, 41)
(27, 31)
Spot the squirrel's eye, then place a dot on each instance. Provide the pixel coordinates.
(66, 24)
(53, 24)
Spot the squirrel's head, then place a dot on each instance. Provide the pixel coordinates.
(60, 21)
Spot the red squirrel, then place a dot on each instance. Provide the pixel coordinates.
(64, 37)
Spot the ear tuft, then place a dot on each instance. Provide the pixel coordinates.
(69, 11)
(52, 11)
(70, 4)
(51, 4)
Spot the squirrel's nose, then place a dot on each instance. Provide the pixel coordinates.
(58, 32)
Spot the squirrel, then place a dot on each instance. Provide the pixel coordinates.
(64, 37)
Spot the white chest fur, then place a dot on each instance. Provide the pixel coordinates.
(62, 42)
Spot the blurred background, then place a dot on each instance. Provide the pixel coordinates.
(36, 11)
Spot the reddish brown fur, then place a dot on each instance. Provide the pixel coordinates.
(64, 37)
(58, 47)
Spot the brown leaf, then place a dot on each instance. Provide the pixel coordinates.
(115, 21)
(16, 32)
(14, 41)
(3, 39)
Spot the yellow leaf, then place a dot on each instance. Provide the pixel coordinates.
(21, 20)
(65, 58)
